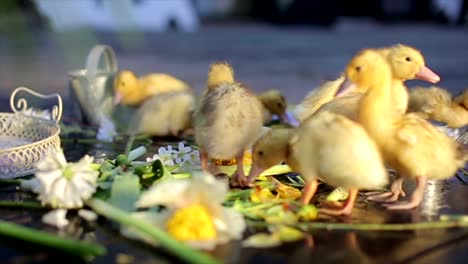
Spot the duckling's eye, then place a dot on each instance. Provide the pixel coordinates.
(408, 59)
(260, 153)
(122, 83)
(358, 68)
(279, 105)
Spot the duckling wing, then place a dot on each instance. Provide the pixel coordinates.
(157, 83)
(420, 149)
(339, 151)
(228, 119)
(316, 98)
(347, 106)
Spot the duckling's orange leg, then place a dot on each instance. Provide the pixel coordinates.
(396, 190)
(309, 190)
(238, 178)
(204, 160)
(416, 197)
(347, 207)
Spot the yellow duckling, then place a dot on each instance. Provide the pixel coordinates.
(167, 114)
(436, 104)
(227, 120)
(130, 90)
(274, 103)
(320, 149)
(406, 63)
(408, 143)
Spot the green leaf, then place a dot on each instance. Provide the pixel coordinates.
(125, 191)
(262, 240)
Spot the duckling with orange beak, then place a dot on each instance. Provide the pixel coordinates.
(406, 63)
(408, 143)
(131, 90)
(227, 120)
(320, 149)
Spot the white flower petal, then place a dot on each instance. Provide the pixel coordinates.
(56, 218)
(33, 185)
(170, 193)
(87, 215)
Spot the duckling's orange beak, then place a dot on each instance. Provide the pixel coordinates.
(117, 98)
(255, 171)
(427, 74)
(345, 86)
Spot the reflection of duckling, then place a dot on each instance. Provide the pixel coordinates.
(274, 103)
(320, 149)
(131, 90)
(436, 103)
(409, 144)
(164, 114)
(228, 119)
(462, 99)
(406, 63)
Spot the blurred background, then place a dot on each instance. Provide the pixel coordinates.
(292, 45)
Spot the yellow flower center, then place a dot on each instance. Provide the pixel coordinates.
(68, 172)
(192, 223)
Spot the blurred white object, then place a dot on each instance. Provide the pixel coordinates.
(116, 15)
(450, 8)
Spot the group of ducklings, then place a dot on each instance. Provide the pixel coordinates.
(351, 129)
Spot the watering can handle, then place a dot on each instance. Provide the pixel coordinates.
(94, 56)
(22, 103)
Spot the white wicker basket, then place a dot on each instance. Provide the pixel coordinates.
(25, 139)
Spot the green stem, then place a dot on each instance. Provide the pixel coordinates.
(177, 248)
(371, 227)
(75, 247)
(136, 153)
(23, 204)
(11, 181)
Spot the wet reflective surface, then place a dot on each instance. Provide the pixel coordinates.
(427, 246)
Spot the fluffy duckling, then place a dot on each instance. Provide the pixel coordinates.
(130, 90)
(227, 120)
(274, 103)
(167, 114)
(320, 149)
(436, 104)
(406, 63)
(408, 143)
(462, 99)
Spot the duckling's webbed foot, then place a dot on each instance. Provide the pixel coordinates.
(347, 208)
(396, 190)
(238, 178)
(415, 200)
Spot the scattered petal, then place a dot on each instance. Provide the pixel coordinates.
(56, 218)
(87, 215)
(262, 240)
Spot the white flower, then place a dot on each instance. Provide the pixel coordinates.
(166, 156)
(106, 131)
(45, 114)
(65, 185)
(56, 218)
(194, 213)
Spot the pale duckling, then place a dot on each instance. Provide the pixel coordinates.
(167, 114)
(132, 91)
(227, 120)
(274, 103)
(406, 63)
(320, 148)
(462, 99)
(436, 104)
(408, 143)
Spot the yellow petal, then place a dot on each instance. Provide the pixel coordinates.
(308, 213)
(287, 192)
(261, 195)
(191, 223)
